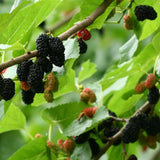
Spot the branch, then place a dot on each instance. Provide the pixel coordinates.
(83, 24)
(62, 22)
(119, 134)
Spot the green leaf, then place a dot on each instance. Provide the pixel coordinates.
(63, 114)
(7, 18)
(82, 151)
(78, 127)
(71, 48)
(34, 150)
(128, 49)
(67, 81)
(87, 70)
(10, 142)
(15, 46)
(30, 16)
(14, 119)
(156, 42)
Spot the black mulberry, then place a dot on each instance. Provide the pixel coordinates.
(23, 69)
(35, 77)
(109, 132)
(27, 96)
(132, 157)
(56, 54)
(45, 64)
(82, 138)
(1, 83)
(153, 126)
(141, 119)
(42, 43)
(130, 133)
(8, 90)
(82, 46)
(143, 12)
(94, 146)
(153, 95)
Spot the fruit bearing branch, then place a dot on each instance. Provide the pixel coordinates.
(83, 24)
(111, 140)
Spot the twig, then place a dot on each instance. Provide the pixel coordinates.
(83, 24)
(119, 119)
(124, 151)
(62, 22)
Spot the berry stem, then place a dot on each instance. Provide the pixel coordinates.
(50, 132)
(124, 151)
(28, 134)
(155, 65)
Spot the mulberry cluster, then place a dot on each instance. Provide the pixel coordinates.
(30, 76)
(132, 129)
(50, 47)
(143, 12)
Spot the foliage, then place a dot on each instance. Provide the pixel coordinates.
(116, 60)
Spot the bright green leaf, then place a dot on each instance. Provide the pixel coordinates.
(16, 46)
(63, 114)
(86, 124)
(71, 49)
(128, 49)
(30, 16)
(87, 70)
(67, 81)
(82, 151)
(14, 119)
(34, 150)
